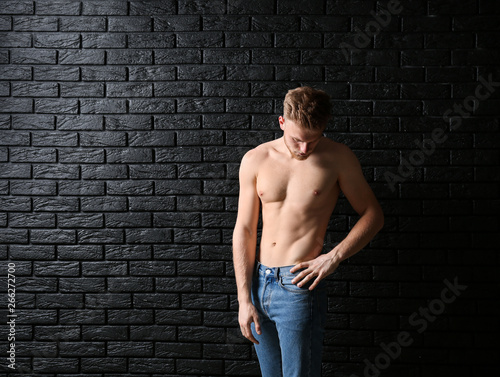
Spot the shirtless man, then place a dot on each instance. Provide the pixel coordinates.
(297, 178)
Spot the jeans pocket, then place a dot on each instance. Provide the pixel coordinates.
(285, 282)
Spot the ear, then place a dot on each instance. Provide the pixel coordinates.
(282, 122)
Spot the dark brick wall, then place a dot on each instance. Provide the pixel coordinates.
(122, 124)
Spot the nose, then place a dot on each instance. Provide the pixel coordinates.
(303, 148)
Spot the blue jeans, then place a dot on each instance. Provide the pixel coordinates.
(292, 321)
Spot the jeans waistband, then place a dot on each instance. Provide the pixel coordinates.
(274, 271)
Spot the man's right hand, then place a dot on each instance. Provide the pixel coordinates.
(248, 314)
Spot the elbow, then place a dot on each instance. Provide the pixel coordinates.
(379, 218)
(243, 232)
(376, 216)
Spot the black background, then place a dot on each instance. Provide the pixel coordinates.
(122, 124)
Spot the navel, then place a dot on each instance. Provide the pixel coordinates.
(273, 244)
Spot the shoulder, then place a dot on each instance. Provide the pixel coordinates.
(254, 158)
(337, 151)
(258, 154)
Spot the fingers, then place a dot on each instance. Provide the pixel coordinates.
(308, 277)
(316, 282)
(304, 275)
(297, 267)
(246, 329)
(247, 333)
(257, 325)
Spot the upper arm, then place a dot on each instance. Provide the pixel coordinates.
(353, 184)
(248, 202)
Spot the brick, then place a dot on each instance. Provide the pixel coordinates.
(141, 171)
(103, 171)
(129, 57)
(177, 121)
(227, 89)
(102, 106)
(15, 40)
(56, 40)
(130, 349)
(15, 204)
(200, 39)
(156, 300)
(236, 105)
(177, 89)
(111, 7)
(128, 155)
(103, 40)
(151, 73)
(85, 155)
(35, 89)
(157, 40)
(56, 106)
(5, 23)
(56, 73)
(277, 56)
(254, 39)
(32, 121)
(82, 90)
(58, 7)
(152, 365)
(225, 22)
(243, 7)
(176, 23)
(129, 284)
(56, 236)
(200, 105)
(162, 219)
(297, 73)
(139, 23)
(178, 56)
(128, 122)
(81, 57)
(128, 220)
(55, 204)
(275, 23)
(35, 23)
(151, 105)
(202, 72)
(28, 56)
(17, 7)
(15, 105)
(14, 138)
(152, 7)
(86, 24)
(201, 171)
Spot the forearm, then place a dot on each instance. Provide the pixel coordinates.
(244, 244)
(368, 225)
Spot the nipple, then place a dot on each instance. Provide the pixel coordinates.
(316, 192)
(261, 193)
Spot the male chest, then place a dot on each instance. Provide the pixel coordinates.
(303, 184)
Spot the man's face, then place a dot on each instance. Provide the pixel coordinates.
(299, 141)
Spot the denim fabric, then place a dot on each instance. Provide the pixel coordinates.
(292, 321)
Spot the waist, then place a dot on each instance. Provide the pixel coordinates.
(282, 271)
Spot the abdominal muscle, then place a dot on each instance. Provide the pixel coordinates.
(290, 236)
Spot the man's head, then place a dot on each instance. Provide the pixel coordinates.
(306, 113)
(309, 108)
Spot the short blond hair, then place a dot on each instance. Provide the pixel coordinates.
(310, 108)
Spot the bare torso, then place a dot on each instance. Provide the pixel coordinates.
(298, 198)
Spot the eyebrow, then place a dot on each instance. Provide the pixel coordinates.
(297, 139)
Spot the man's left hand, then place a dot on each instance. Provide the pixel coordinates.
(317, 268)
